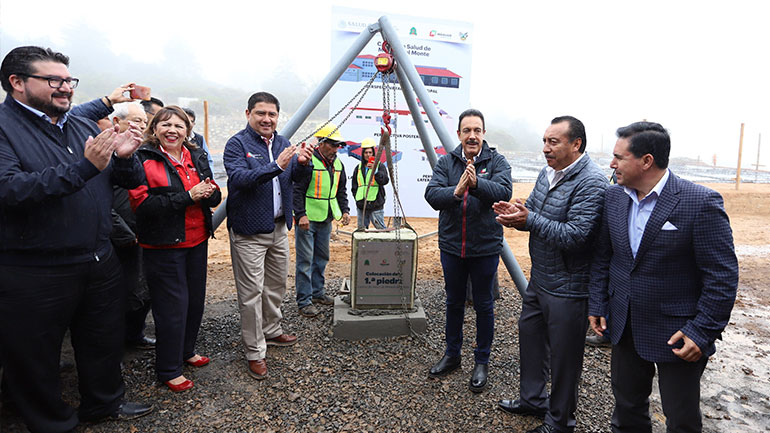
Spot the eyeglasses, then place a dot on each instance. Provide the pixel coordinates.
(55, 82)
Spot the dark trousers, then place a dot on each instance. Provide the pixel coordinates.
(552, 331)
(177, 280)
(37, 306)
(482, 272)
(134, 285)
(679, 384)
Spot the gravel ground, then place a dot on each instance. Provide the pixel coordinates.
(327, 385)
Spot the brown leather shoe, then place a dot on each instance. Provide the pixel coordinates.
(258, 369)
(282, 340)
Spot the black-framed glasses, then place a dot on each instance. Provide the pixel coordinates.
(55, 82)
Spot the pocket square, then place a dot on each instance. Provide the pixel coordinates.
(668, 226)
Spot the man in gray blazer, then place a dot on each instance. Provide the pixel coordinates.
(665, 270)
(562, 215)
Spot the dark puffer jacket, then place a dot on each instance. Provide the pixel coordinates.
(467, 227)
(563, 223)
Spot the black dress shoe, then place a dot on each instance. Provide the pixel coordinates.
(130, 410)
(446, 365)
(479, 378)
(515, 407)
(126, 410)
(145, 343)
(543, 428)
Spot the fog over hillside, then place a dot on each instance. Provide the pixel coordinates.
(177, 76)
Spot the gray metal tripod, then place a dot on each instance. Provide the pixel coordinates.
(410, 83)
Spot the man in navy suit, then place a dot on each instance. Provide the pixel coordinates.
(665, 270)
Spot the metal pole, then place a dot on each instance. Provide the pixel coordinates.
(510, 262)
(422, 130)
(314, 99)
(446, 139)
(414, 78)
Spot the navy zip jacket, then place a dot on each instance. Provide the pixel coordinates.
(54, 204)
(250, 182)
(467, 227)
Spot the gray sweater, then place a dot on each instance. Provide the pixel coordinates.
(563, 223)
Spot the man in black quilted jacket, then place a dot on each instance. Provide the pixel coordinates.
(562, 216)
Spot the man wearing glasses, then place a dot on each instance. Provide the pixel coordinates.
(58, 268)
(319, 198)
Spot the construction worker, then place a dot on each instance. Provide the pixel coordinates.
(319, 198)
(376, 177)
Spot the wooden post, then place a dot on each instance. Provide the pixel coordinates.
(206, 121)
(740, 155)
(756, 166)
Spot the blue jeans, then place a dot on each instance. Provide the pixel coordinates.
(482, 272)
(312, 247)
(376, 217)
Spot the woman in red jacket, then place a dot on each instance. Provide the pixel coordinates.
(173, 218)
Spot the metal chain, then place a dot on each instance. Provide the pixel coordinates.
(388, 84)
(362, 92)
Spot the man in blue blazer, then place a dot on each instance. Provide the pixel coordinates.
(665, 270)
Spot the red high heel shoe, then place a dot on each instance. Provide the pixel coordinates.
(204, 360)
(184, 386)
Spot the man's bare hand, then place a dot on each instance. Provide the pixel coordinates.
(98, 150)
(462, 185)
(690, 352)
(345, 219)
(304, 153)
(304, 223)
(471, 170)
(511, 214)
(598, 324)
(128, 141)
(284, 158)
(503, 207)
(119, 94)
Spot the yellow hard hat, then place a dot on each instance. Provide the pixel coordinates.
(368, 142)
(329, 132)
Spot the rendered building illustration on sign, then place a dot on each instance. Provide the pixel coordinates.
(362, 69)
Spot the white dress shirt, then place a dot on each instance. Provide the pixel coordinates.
(277, 200)
(640, 211)
(555, 176)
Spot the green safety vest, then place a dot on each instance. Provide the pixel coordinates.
(322, 192)
(374, 187)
